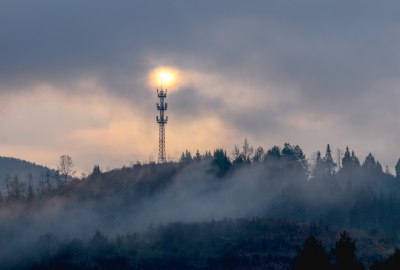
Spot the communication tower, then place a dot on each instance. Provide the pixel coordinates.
(161, 120)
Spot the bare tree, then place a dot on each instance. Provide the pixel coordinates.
(236, 152)
(258, 154)
(7, 180)
(387, 170)
(41, 188)
(244, 156)
(66, 167)
(48, 186)
(17, 189)
(248, 150)
(30, 193)
(339, 156)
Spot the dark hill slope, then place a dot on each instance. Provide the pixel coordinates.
(12, 167)
(225, 244)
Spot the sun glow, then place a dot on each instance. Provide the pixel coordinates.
(163, 77)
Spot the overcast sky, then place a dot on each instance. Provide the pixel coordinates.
(74, 77)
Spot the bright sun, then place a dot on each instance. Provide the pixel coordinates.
(163, 77)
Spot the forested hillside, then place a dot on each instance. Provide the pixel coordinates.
(23, 171)
(270, 203)
(225, 244)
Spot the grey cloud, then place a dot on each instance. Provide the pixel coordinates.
(188, 103)
(331, 53)
(327, 48)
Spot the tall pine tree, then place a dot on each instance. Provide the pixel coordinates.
(312, 256)
(397, 168)
(329, 164)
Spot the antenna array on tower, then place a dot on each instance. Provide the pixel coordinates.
(161, 120)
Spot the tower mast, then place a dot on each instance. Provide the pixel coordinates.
(161, 120)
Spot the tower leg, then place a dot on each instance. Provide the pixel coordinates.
(161, 145)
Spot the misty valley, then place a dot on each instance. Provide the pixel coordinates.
(271, 209)
(119, 121)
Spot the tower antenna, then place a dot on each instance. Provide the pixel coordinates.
(161, 120)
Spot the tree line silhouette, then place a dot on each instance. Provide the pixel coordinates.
(290, 159)
(226, 244)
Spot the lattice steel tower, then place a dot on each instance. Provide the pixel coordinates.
(161, 120)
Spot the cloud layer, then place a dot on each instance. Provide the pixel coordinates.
(74, 77)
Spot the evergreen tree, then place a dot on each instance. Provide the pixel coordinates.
(207, 155)
(186, 157)
(197, 157)
(96, 171)
(312, 256)
(371, 165)
(329, 164)
(273, 159)
(391, 263)
(294, 159)
(397, 168)
(221, 162)
(355, 160)
(345, 253)
(378, 167)
(318, 166)
(347, 162)
(273, 154)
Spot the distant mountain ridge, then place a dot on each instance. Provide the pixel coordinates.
(22, 169)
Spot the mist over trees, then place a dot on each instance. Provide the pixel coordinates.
(277, 185)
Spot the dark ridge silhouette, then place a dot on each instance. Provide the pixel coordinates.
(225, 244)
(12, 166)
(390, 263)
(24, 170)
(312, 256)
